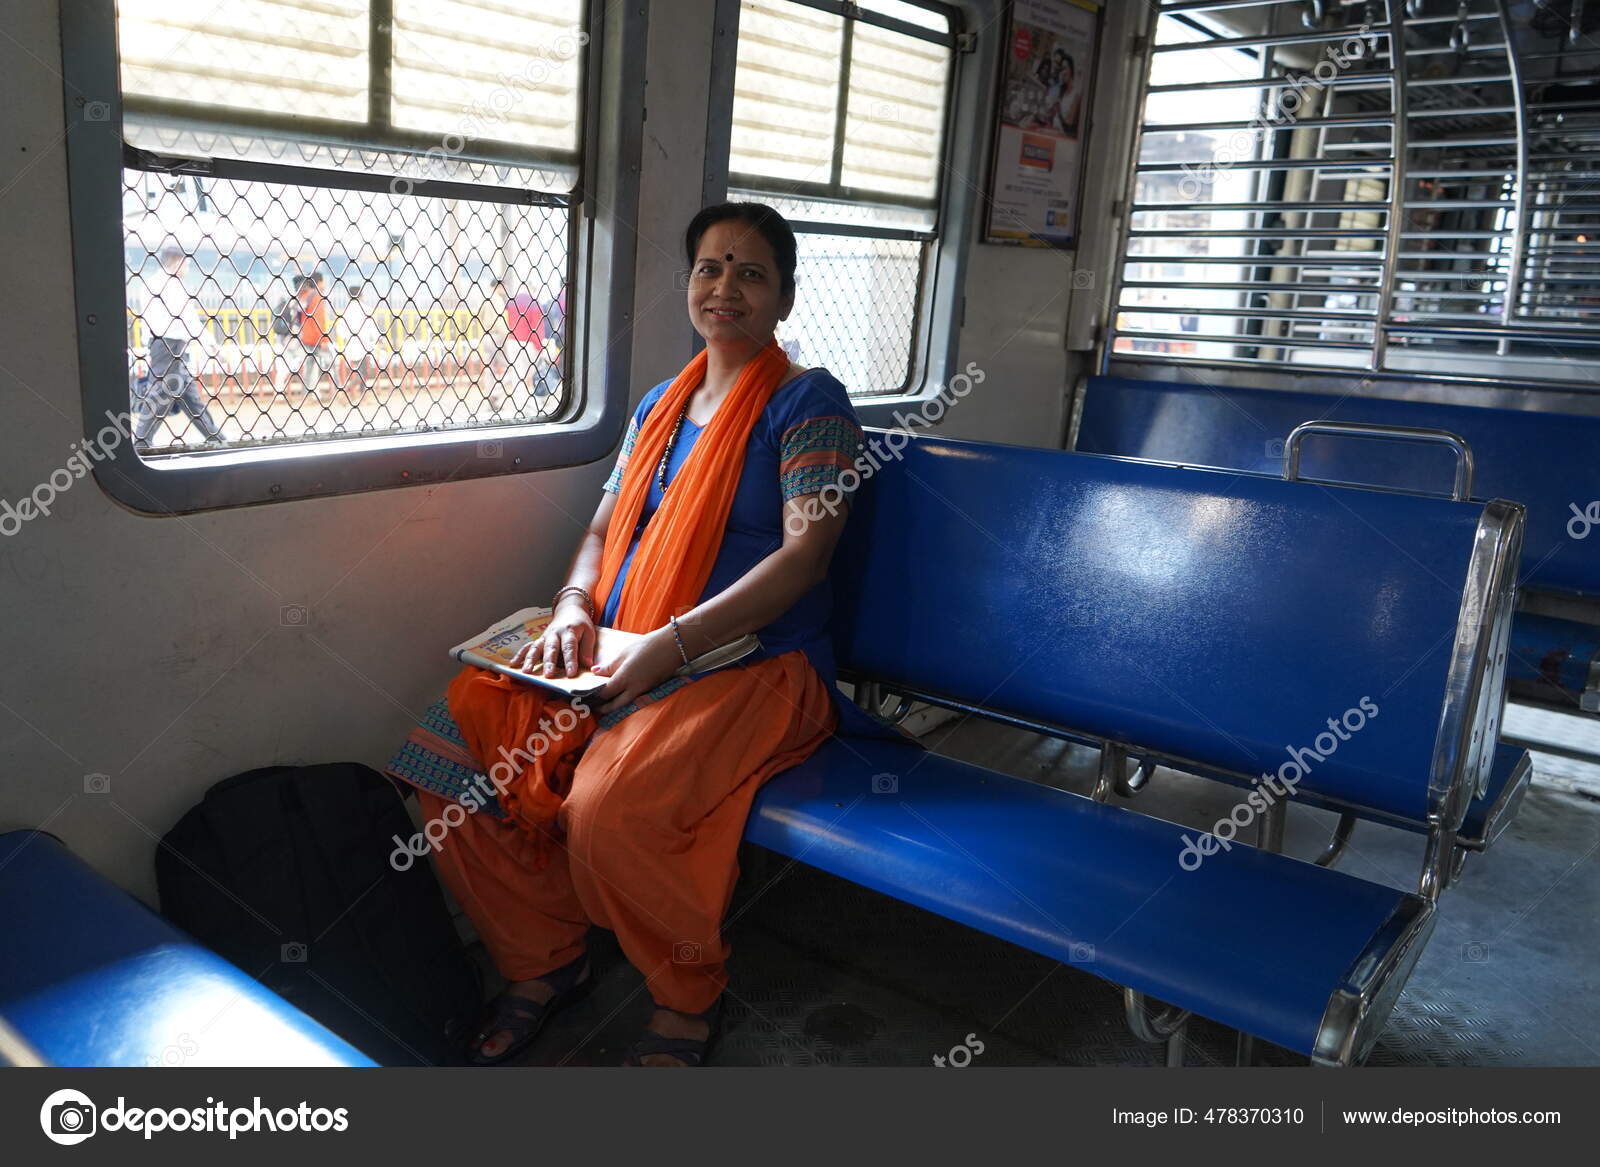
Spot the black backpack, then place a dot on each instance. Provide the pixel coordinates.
(314, 910)
(287, 317)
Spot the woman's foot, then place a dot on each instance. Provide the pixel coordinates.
(674, 1039)
(522, 1008)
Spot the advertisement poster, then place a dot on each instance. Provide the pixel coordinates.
(1043, 121)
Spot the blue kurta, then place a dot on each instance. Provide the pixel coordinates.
(804, 439)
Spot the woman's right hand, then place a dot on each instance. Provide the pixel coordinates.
(568, 643)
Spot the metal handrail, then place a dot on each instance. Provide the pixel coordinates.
(1464, 464)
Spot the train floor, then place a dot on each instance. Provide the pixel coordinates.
(827, 973)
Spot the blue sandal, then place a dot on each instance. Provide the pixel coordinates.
(523, 1017)
(688, 1050)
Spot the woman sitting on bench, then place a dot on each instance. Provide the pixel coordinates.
(710, 527)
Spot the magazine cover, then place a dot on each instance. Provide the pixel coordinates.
(497, 646)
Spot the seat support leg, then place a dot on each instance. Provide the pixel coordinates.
(1336, 845)
(1269, 827)
(1166, 1026)
(1245, 1052)
(1113, 771)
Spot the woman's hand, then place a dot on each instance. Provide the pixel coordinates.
(567, 645)
(638, 668)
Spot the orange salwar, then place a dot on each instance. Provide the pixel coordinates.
(652, 827)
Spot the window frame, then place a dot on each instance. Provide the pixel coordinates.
(1468, 370)
(601, 286)
(939, 306)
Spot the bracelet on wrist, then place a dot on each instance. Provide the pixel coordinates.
(677, 636)
(574, 589)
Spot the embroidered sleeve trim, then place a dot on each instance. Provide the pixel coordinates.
(816, 452)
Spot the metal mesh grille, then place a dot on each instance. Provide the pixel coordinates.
(344, 221)
(1268, 227)
(857, 297)
(263, 313)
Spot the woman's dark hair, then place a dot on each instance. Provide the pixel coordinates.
(774, 229)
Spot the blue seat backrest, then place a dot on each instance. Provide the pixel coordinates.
(1219, 618)
(1548, 462)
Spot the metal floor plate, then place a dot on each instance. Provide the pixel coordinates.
(828, 973)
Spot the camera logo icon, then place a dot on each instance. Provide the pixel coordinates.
(68, 1117)
(886, 784)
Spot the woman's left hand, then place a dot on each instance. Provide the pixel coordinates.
(637, 669)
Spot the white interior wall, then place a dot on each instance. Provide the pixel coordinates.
(154, 650)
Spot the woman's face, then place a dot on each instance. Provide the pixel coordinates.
(735, 288)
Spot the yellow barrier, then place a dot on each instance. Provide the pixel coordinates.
(230, 325)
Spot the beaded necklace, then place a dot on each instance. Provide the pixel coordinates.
(666, 454)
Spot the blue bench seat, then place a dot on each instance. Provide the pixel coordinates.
(1168, 615)
(1255, 940)
(89, 976)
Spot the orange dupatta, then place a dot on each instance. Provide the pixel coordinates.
(527, 740)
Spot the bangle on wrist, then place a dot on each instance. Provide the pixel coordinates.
(677, 636)
(574, 589)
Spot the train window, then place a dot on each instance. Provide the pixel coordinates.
(839, 116)
(1300, 199)
(351, 239)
